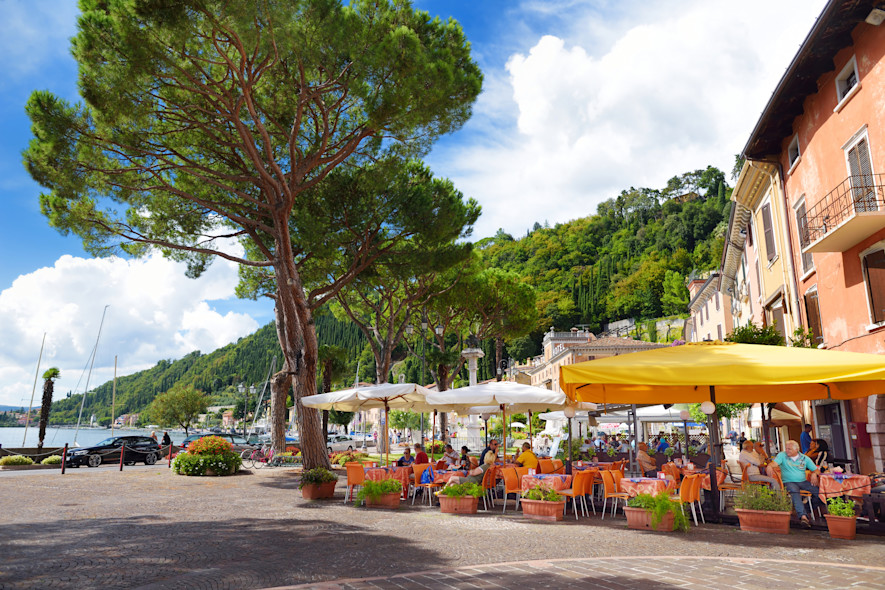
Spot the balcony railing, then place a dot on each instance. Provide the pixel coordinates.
(856, 195)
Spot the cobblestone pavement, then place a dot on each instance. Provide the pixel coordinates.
(148, 528)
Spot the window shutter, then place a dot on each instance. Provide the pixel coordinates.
(812, 312)
(777, 318)
(802, 225)
(769, 232)
(862, 186)
(874, 267)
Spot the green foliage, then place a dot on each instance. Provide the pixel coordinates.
(402, 419)
(763, 498)
(226, 463)
(51, 373)
(722, 410)
(669, 451)
(348, 457)
(51, 460)
(543, 494)
(753, 334)
(651, 451)
(803, 338)
(459, 490)
(675, 298)
(340, 418)
(316, 476)
(840, 507)
(659, 505)
(375, 489)
(16, 460)
(180, 405)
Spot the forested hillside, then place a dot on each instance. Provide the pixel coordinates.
(217, 373)
(629, 260)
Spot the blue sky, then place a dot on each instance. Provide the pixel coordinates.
(581, 99)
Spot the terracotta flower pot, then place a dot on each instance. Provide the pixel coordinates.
(541, 510)
(384, 501)
(640, 519)
(842, 527)
(465, 505)
(318, 491)
(764, 521)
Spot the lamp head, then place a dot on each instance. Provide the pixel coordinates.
(709, 408)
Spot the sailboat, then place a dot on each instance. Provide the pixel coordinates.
(89, 376)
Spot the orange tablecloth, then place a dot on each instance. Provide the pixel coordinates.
(445, 476)
(646, 485)
(549, 481)
(720, 479)
(853, 485)
(400, 473)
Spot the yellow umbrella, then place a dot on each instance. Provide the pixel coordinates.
(740, 373)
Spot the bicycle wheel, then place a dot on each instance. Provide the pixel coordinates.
(246, 456)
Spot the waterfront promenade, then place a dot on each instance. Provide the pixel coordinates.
(146, 528)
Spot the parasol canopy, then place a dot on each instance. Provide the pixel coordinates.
(740, 373)
(515, 396)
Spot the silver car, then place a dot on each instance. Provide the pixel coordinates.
(342, 442)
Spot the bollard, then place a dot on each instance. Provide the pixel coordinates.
(122, 454)
(170, 456)
(64, 459)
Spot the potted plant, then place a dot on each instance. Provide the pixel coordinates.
(611, 452)
(658, 513)
(460, 498)
(841, 520)
(763, 510)
(381, 494)
(318, 483)
(542, 504)
(670, 451)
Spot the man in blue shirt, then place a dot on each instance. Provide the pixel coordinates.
(793, 465)
(805, 439)
(663, 445)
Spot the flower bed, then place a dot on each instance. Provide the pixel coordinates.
(210, 455)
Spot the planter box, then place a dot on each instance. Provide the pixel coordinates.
(842, 527)
(465, 505)
(384, 501)
(318, 491)
(764, 521)
(640, 519)
(541, 510)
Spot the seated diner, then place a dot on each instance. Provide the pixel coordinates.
(407, 458)
(527, 458)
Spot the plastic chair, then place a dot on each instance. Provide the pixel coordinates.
(610, 491)
(558, 466)
(696, 494)
(488, 486)
(419, 471)
(575, 492)
(545, 466)
(685, 496)
(520, 471)
(441, 464)
(745, 477)
(512, 485)
(356, 475)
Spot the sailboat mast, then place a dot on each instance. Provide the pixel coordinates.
(33, 389)
(114, 398)
(88, 376)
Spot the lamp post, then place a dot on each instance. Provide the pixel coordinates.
(569, 413)
(709, 408)
(685, 415)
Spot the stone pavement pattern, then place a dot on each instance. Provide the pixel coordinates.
(148, 528)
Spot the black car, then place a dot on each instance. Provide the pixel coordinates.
(139, 449)
(239, 443)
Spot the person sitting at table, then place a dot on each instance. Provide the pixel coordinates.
(407, 458)
(474, 475)
(464, 461)
(420, 455)
(823, 451)
(760, 450)
(647, 465)
(450, 456)
(623, 447)
(492, 448)
(753, 461)
(793, 465)
(527, 458)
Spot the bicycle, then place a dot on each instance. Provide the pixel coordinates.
(256, 458)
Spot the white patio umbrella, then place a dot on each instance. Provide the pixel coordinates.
(399, 396)
(517, 425)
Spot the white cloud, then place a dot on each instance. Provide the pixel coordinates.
(155, 312)
(679, 87)
(33, 34)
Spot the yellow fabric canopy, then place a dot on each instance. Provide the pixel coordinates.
(740, 373)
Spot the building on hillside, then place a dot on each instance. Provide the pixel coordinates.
(738, 277)
(710, 316)
(813, 186)
(575, 346)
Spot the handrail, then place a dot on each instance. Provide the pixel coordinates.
(855, 194)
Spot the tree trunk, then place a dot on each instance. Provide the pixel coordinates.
(48, 387)
(280, 384)
(499, 356)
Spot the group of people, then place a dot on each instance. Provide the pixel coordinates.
(167, 440)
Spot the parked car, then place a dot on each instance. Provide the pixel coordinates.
(239, 443)
(139, 449)
(342, 442)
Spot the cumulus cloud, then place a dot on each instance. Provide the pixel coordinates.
(679, 87)
(154, 312)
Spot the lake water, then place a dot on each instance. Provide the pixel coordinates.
(57, 437)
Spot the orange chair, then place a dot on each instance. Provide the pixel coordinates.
(685, 495)
(558, 467)
(726, 486)
(520, 471)
(474, 462)
(745, 477)
(545, 465)
(512, 485)
(356, 475)
(489, 480)
(577, 492)
(696, 494)
(441, 464)
(419, 471)
(610, 491)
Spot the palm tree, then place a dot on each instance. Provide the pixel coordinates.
(49, 378)
(332, 361)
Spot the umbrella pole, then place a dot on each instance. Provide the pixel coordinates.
(568, 468)
(504, 432)
(714, 458)
(531, 436)
(433, 436)
(386, 438)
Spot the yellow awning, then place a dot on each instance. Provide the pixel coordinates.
(740, 373)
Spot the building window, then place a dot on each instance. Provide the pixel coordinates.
(717, 301)
(846, 80)
(770, 251)
(863, 185)
(874, 275)
(812, 312)
(793, 151)
(776, 317)
(750, 233)
(707, 310)
(719, 332)
(701, 315)
(802, 225)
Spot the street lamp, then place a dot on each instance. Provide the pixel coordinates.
(569, 412)
(685, 415)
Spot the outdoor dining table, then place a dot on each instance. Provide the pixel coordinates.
(444, 476)
(392, 472)
(833, 485)
(551, 481)
(646, 485)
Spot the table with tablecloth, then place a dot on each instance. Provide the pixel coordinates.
(392, 472)
(633, 486)
(705, 479)
(443, 477)
(834, 485)
(550, 481)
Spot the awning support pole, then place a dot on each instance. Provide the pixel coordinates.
(715, 446)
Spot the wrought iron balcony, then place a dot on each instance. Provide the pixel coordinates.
(848, 214)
